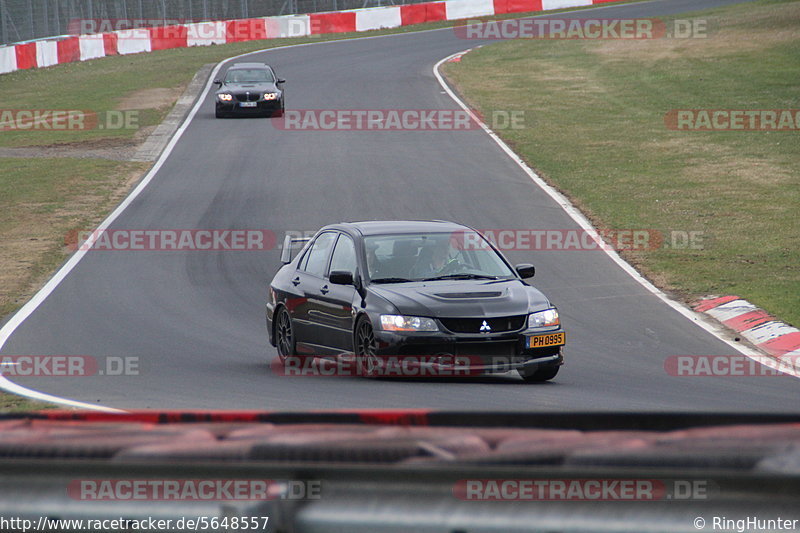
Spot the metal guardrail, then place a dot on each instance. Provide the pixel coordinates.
(25, 20)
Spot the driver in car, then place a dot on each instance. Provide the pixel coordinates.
(433, 261)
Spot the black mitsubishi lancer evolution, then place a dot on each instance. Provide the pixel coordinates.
(434, 292)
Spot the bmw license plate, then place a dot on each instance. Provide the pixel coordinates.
(248, 104)
(543, 341)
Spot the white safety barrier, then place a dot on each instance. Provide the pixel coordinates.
(288, 26)
(561, 4)
(378, 18)
(133, 41)
(46, 53)
(464, 9)
(8, 59)
(205, 33)
(91, 47)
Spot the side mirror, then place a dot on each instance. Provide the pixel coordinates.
(525, 270)
(279, 80)
(341, 277)
(217, 82)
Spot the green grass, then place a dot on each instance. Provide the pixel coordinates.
(11, 403)
(596, 131)
(41, 201)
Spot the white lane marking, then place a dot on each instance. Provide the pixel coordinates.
(583, 222)
(26, 310)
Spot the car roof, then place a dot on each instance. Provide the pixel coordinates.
(382, 227)
(249, 66)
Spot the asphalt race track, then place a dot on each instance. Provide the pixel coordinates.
(195, 320)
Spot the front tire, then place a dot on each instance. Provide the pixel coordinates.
(540, 375)
(285, 339)
(366, 348)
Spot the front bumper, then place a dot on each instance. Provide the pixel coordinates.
(262, 106)
(478, 354)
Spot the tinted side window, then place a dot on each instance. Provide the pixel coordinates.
(344, 255)
(317, 257)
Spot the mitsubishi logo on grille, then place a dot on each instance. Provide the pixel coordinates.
(485, 328)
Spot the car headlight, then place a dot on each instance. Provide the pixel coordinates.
(540, 319)
(225, 97)
(407, 323)
(270, 96)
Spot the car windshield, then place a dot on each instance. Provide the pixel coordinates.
(251, 75)
(428, 256)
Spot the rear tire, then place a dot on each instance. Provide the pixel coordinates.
(285, 340)
(541, 374)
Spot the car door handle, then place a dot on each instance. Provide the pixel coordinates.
(324, 289)
(296, 281)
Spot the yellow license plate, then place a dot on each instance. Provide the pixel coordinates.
(543, 341)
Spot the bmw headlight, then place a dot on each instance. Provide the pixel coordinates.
(270, 96)
(225, 97)
(541, 319)
(407, 323)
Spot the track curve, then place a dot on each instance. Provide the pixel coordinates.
(195, 321)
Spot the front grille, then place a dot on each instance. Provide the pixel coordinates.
(473, 325)
(252, 97)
